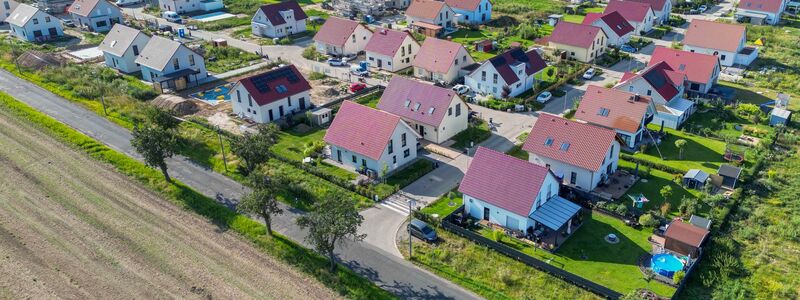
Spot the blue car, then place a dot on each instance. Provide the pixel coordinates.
(627, 48)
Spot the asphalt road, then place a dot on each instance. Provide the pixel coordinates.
(386, 270)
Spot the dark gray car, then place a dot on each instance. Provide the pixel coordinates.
(422, 230)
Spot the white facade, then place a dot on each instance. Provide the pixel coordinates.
(402, 58)
(476, 208)
(581, 178)
(403, 146)
(184, 58)
(6, 7)
(613, 39)
(127, 62)
(480, 15)
(487, 81)
(640, 86)
(445, 18)
(646, 25)
(355, 43)
(246, 107)
(261, 26)
(186, 6)
(100, 19)
(728, 58)
(455, 121)
(462, 59)
(40, 27)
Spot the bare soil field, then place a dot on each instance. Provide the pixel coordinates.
(71, 227)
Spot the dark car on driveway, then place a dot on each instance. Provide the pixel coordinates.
(422, 230)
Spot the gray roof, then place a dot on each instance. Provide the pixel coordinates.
(696, 174)
(729, 171)
(680, 104)
(700, 222)
(157, 53)
(780, 112)
(555, 212)
(119, 39)
(21, 15)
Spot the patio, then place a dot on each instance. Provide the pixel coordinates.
(616, 185)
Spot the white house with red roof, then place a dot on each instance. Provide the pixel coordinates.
(640, 15)
(626, 113)
(508, 74)
(391, 50)
(278, 20)
(514, 193)
(436, 113)
(471, 11)
(666, 87)
(581, 154)
(581, 42)
(95, 15)
(440, 60)
(271, 96)
(613, 24)
(427, 15)
(726, 41)
(342, 37)
(760, 12)
(363, 137)
(702, 70)
(661, 8)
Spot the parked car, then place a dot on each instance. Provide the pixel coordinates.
(588, 74)
(358, 71)
(703, 8)
(357, 86)
(422, 230)
(461, 89)
(171, 16)
(544, 97)
(627, 48)
(335, 62)
(127, 2)
(68, 23)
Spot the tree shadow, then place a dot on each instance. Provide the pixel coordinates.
(401, 289)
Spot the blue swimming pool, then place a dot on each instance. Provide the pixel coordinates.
(218, 15)
(215, 95)
(666, 264)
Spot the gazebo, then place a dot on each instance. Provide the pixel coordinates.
(695, 179)
(556, 215)
(730, 175)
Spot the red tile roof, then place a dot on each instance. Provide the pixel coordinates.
(587, 144)
(632, 11)
(275, 84)
(503, 62)
(572, 34)
(714, 35)
(84, 7)
(772, 6)
(463, 4)
(686, 233)
(402, 96)
(698, 67)
(273, 11)
(589, 18)
(425, 9)
(503, 181)
(657, 5)
(386, 41)
(437, 55)
(614, 20)
(661, 77)
(612, 108)
(362, 129)
(336, 31)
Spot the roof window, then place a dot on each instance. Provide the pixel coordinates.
(548, 141)
(564, 146)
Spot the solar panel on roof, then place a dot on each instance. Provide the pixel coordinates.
(262, 81)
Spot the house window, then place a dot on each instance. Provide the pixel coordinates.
(289, 101)
(464, 58)
(391, 146)
(47, 19)
(458, 109)
(573, 177)
(135, 49)
(449, 111)
(250, 101)
(176, 64)
(610, 154)
(280, 110)
(483, 75)
(394, 159)
(239, 96)
(354, 159)
(403, 140)
(406, 153)
(191, 60)
(722, 57)
(649, 92)
(35, 21)
(494, 78)
(364, 163)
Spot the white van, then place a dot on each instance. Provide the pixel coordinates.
(171, 16)
(127, 2)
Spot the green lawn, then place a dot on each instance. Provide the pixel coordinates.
(723, 124)
(521, 9)
(370, 100)
(410, 173)
(474, 133)
(442, 205)
(699, 152)
(517, 152)
(574, 18)
(651, 190)
(468, 38)
(227, 58)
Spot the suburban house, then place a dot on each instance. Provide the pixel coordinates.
(471, 11)
(616, 28)
(6, 7)
(436, 113)
(726, 41)
(279, 20)
(684, 238)
(508, 74)
(364, 137)
(626, 113)
(171, 62)
(28, 23)
(95, 15)
(430, 17)
(440, 60)
(187, 6)
(760, 12)
(640, 15)
(342, 37)
(701, 70)
(579, 42)
(665, 87)
(391, 50)
(661, 8)
(581, 155)
(121, 46)
(514, 193)
(272, 95)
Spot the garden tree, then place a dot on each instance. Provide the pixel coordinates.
(155, 145)
(253, 148)
(262, 200)
(331, 220)
(713, 200)
(665, 192)
(648, 220)
(384, 171)
(688, 206)
(506, 91)
(664, 209)
(748, 109)
(680, 144)
(162, 118)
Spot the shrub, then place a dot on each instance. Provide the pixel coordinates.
(316, 76)
(498, 235)
(678, 276)
(648, 220)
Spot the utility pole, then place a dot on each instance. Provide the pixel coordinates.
(222, 147)
(102, 94)
(411, 204)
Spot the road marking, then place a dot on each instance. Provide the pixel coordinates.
(398, 205)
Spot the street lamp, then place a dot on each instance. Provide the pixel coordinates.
(411, 204)
(222, 148)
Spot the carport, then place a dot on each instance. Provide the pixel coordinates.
(751, 17)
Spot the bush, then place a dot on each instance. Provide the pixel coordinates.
(316, 76)
(311, 53)
(498, 235)
(678, 276)
(648, 220)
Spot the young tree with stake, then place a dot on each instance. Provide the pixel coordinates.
(261, 200)
(332, 219)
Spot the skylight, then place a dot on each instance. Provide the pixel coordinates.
(430, 110)
(407, 103)
(564, 146)
(548, 141)
(603, 112)
(417, 105)
(682, 67)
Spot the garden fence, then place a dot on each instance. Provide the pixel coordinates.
(361, 93)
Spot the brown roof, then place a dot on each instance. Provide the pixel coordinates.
(571, 142)
(336, 31)
(714, 35)
(437, 55)
(83, 7)
(686, 233)
(425, 9)
(773, 6)
(612, 108)
(573, 34)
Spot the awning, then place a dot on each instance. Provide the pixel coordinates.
(555, 213)
(176, 74)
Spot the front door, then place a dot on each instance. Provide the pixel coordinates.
(339, 155)
(53, 31)
(486, 213)
(302, 103)
(380, 63)
(421, 131)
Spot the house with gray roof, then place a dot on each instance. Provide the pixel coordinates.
(6, 7)
(29, 23)
(122, 46)
(95, 15)
(171, 64)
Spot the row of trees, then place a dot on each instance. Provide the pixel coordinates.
(333, 219)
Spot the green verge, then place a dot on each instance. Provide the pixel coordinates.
(343, 280)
